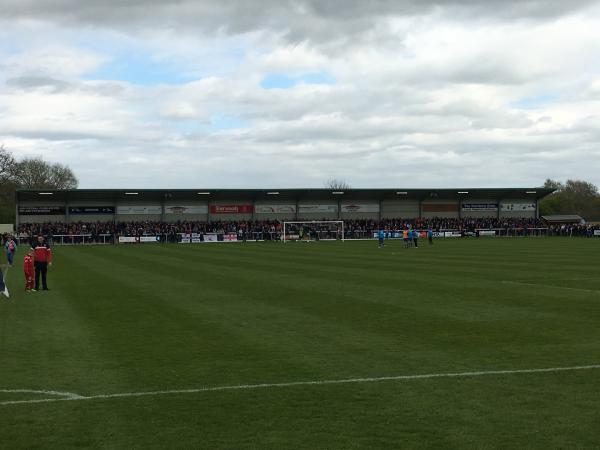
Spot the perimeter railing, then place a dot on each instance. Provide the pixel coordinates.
(349, 234)
(72, 239)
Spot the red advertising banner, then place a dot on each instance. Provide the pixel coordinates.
(231, 209)
(440, 207)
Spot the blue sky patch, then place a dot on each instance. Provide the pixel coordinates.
(139, 69)
(533, 102)
(283, 81)
(220, 122)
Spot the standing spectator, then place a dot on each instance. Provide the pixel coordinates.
(11, 248)
(42, 259)
(3, 270)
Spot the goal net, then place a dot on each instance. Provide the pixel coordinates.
(313, 230)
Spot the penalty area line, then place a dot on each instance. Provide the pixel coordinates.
(70, 397)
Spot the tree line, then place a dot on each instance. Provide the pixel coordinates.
(29, 173)
(572, 197)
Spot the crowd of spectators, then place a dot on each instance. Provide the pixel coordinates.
(272, 229)
(582, 230)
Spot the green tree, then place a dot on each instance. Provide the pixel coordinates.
(553, 184)
(35, 173)
(29, 173)
(7, 185)
(573, 197)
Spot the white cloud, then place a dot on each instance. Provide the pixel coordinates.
(423, 93)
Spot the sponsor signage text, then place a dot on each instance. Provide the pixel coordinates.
(141, 210)
(231, 209)
(318, 208)
(146, 239)
(480, 207)
(360, 207)
(91, 210)
(275, 209)
(42, 210)
(517, 207)
(178, 209)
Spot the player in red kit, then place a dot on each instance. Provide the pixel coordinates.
(42, 259)
(29, 271)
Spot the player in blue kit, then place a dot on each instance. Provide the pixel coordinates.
(381, 236)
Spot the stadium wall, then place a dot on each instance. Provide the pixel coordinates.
(445, 209)
(400, 208)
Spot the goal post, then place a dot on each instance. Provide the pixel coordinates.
(313, 230)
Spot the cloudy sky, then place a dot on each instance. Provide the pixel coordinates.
(290, 93)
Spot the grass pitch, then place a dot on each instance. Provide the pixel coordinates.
(136, 319)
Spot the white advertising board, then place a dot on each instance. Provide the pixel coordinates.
(517, 207)
(479, 207)
(148, 239)
(274, 209)
(317, 208)
(190, 209)
(360, 207)
(452, 234)
(139, 210)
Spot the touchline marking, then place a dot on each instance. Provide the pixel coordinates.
(521, 283)
(67, 396)
(581, 279)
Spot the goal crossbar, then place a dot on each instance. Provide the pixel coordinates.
(311, 222)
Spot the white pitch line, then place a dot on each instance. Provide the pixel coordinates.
(59, 394)
(580, 279)
(522, 283)
(76, 397)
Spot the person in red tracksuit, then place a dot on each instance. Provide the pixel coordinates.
(29, 271)
(42, 257)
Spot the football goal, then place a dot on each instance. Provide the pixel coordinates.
(313, 230)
